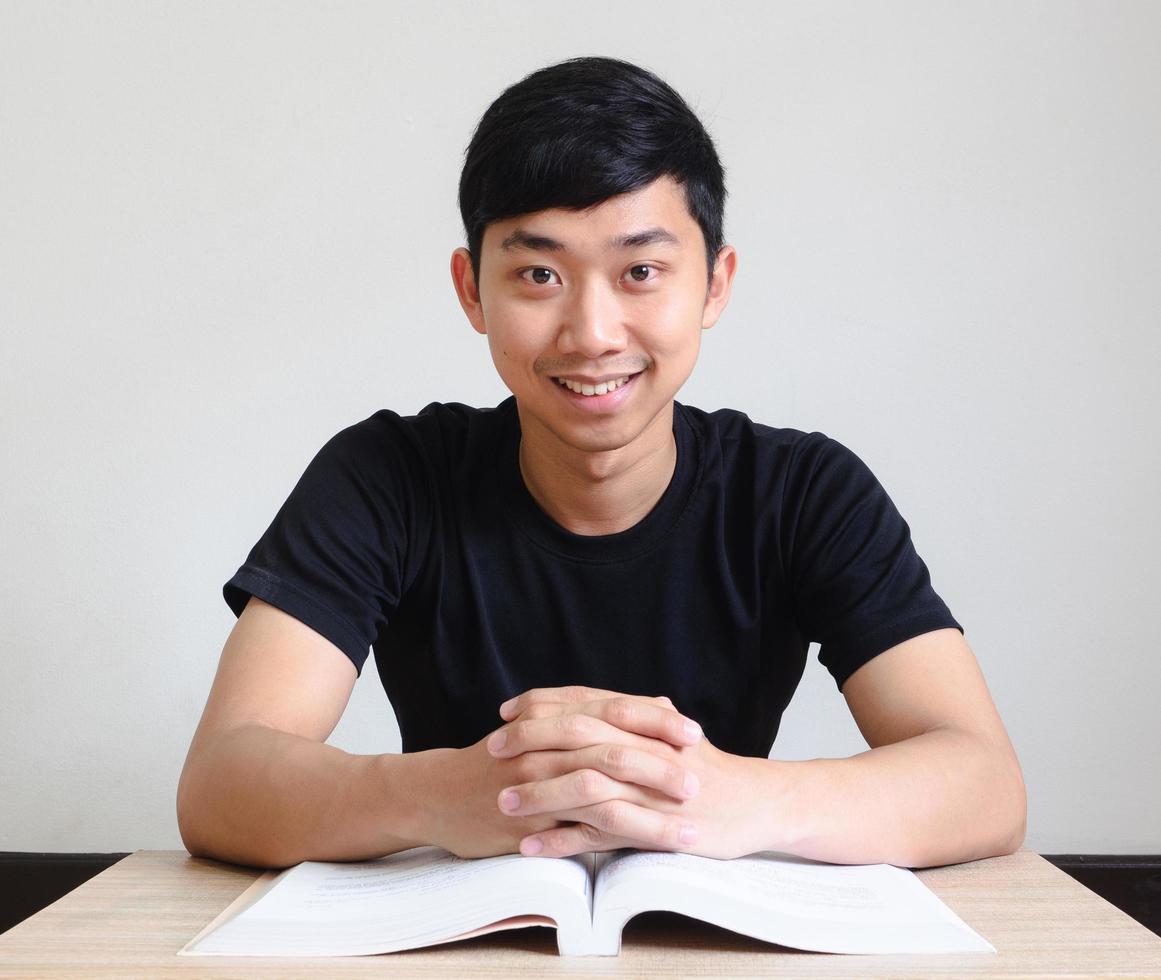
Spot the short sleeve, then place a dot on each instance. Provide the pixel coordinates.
(333, 556)
(859, 586)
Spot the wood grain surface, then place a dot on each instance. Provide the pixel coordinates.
(130, 920)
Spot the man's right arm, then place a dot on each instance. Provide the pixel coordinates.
(259, 786)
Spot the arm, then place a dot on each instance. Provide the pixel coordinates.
(940, 784)
(261, 788)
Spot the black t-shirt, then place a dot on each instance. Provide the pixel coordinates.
(417, 536)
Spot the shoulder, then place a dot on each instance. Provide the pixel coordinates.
(439, 434)
(740, 441)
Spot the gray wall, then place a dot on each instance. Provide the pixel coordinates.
(224, 235)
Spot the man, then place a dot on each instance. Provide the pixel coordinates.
(590, 605)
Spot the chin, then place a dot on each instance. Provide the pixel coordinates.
(595, 442)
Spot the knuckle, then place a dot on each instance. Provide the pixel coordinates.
(516, 731)
(526, 768)
(617, 760)
(577, 727)
(623, 712)
(613, 817)
(588, 783)
(590, 835)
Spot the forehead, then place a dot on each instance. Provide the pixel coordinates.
(654, 215)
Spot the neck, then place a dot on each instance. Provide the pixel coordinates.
(599, 492)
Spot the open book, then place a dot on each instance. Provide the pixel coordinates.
(426, 896)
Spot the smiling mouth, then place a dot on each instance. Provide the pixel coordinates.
(592, 390)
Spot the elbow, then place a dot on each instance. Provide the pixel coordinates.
(215, 824)
(190, 823)
(1011, 821)
(200, 841)
(206, 835)
(1004, 798)
(996, 826)
(1019, 818)
(1017, 838)
(205, 840)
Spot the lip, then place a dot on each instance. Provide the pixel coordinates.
(608, 402)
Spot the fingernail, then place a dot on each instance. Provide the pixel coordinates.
(507, 704)
(533, 845)
(688, 834)
(509, 800)
(498, 741)
(689, 787)
(692, 729)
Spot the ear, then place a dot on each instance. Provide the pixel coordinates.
(718, 294)
(467, 290)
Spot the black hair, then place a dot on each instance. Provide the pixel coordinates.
(579, 132)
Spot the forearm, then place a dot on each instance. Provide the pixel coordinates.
(942, 797)
(266, 798)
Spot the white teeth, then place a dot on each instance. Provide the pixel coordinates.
(598, 389)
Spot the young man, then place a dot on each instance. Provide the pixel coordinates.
(590, 605)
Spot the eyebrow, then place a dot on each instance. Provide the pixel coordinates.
(521, 239)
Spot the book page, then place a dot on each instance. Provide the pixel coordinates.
(788, 900)
(406, 900)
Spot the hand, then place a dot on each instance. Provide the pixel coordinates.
(458, 790)
(456, 799)
(634, 787)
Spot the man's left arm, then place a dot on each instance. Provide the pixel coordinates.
(940, 784)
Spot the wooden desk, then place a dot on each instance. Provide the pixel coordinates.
(130, 920)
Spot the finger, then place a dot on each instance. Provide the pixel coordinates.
(555, 695)
(623, 764)
(641, 716)
(563, 696)
(567, 731)
(649, 719)
(640, 827)
(639, 767)
(573, 790)
(589, 786)
(550, 709)
(569, 839)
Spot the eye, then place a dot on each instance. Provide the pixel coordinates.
(538, 275)
(641, 273)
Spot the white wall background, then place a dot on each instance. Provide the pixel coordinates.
(224, 235)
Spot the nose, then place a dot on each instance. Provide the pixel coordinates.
(592, 324)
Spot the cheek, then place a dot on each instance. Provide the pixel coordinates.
(678, 336)
(515, 328)
(498, 348)
(674, 317)
(508, 352)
